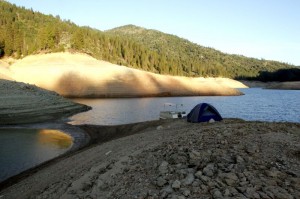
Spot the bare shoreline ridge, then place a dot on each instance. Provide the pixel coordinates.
(79, 75)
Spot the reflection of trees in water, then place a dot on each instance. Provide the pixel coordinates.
(55, 138)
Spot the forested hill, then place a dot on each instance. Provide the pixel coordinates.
(24, 32)
(195, 59)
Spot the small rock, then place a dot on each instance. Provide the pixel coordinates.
(177, 197)
(249, 192)
(196, 153)
(219, 183)
(196, 183)
(196, 190)
(204, 179)
(241, 189)
(101, 185)
(168, 189)
(198, 174)
(239, 160)
(226, 192)
(225, 142)
(204, 188)
(186, 192)
(244, 183)
(273, 172)
(161, 181)
(229, 178)
(189, 179)
(232, 176)
(165, 191)
(211, 120)
(163, 194)
(159, 127)
(176, 184)
(209, 170)
(217, 194)
(163, 168)
(263, 195)
(252, 148)
(233, 191)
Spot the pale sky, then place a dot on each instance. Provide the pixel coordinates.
(268, 29)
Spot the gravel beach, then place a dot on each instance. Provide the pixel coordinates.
(175, 159)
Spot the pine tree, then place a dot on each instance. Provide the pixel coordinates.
(78, 40)
(1, 48)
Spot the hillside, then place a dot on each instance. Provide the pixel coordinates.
(25, 32)
(80, 75)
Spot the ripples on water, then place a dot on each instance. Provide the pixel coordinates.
(21, 149)
(256, 104)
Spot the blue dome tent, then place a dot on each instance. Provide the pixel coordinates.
(203, 113)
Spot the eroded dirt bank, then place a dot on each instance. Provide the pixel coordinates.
(24, 103)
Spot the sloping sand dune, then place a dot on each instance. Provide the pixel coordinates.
(79, 75)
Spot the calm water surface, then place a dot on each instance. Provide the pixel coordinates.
(21, 149)
(256, 104)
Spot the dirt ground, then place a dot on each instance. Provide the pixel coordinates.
(175, 159)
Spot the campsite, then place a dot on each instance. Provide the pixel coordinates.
(149, 99)
(204, 112)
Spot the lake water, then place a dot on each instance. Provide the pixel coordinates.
(21, 149)
(256, 104)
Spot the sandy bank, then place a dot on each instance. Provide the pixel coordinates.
(23, 103)
(232, 158)
(79, 75)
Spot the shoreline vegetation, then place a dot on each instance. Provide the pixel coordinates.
(173, 158)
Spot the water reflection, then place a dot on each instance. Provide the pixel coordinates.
(21, 149)
(54, 138)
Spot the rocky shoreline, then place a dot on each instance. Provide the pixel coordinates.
(175, 159)
(216, 163)
(22, 103)
(273, 85)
